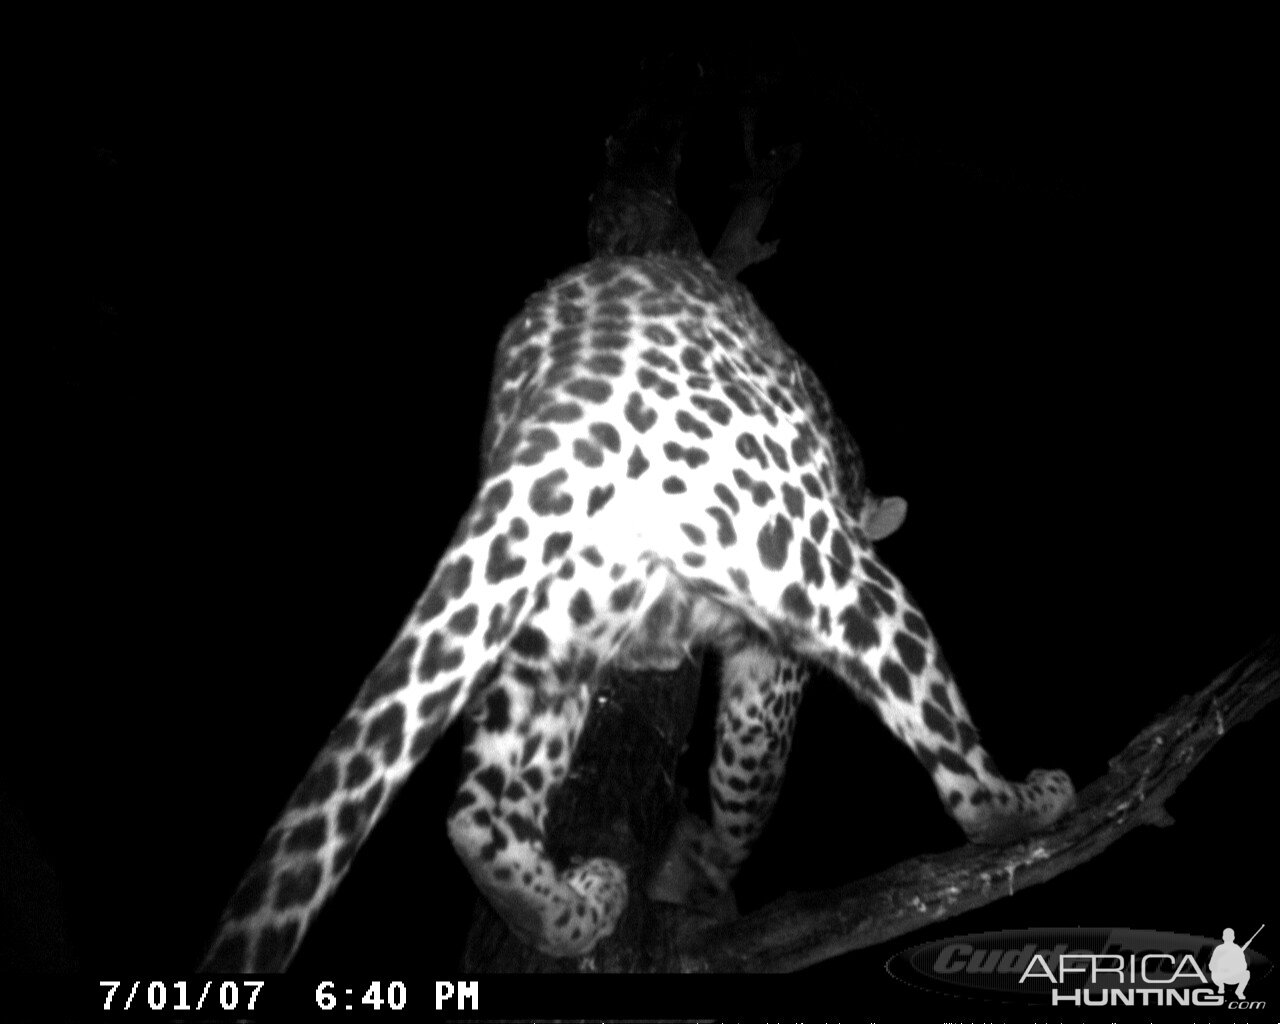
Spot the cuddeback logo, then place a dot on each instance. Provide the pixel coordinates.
(1088, 967)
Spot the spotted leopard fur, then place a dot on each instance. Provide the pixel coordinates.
(662, 474)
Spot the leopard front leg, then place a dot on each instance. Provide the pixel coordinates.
(760, 691)
(523, 736)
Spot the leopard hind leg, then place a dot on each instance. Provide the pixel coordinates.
(487, 584)
(827, 598)
(520, 747)
(870, 632)
(525, 727)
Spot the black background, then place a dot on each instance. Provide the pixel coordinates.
(1025, 260)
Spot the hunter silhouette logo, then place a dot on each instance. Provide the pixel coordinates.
(1082, 967)
(1227, 965)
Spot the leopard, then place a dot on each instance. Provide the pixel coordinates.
(662, 476)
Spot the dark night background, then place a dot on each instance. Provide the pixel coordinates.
(1025, 263)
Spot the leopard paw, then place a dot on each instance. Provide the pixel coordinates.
(600, 886)
(1030, 807)
(693, 872)
(1050, 795)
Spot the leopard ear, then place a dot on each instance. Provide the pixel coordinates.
(884, 516)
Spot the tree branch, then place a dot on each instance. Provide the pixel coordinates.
(740, 245)
(803, 929)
